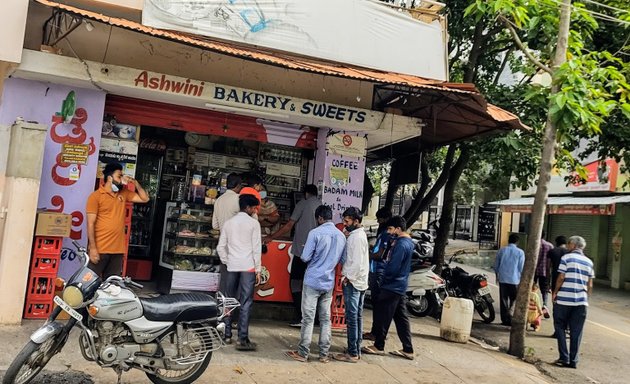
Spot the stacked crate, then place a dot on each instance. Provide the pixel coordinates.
(41, 282)
(128, 214)
(338, 307)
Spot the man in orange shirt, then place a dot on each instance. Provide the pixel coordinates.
(106, 220)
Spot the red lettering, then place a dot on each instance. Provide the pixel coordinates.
(142, 78)
(77, 222)
(56, 201)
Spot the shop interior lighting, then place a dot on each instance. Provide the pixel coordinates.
(244, 111)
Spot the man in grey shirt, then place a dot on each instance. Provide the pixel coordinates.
(303, 219)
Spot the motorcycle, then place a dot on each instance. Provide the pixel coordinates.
(425, 289)
(424, 243)
(170, 338)
(474, 287)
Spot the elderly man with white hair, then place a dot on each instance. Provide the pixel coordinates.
(570, 295)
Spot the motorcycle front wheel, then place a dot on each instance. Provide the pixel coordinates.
(485, 309)
(426, 305)
(29, 362)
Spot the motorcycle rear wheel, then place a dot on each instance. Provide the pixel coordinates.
(485, 309)
(187, 376)
(427, 307)
(29, 362)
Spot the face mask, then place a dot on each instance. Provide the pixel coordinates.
(350, 228)
(116, 186)
(263, 194)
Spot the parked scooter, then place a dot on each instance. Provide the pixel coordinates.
(474, 287)
(171, 338)
(426, 289)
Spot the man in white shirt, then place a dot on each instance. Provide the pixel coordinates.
(355, 274)
(225, 208)
(240, 250)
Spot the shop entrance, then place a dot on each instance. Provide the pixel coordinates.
(172, 244)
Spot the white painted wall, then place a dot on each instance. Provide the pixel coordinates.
(12, 29)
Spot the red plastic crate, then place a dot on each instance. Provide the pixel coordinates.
(337, 302)
(37, 309)
(40, 287)
(43, 264)
(45, 245)
(139, 269)
(338, 322)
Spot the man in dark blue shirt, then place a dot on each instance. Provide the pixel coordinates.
(377, 265)
(392, 300)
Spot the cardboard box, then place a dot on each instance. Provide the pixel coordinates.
(53, 224)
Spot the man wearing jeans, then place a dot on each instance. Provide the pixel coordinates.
(239, 249)
(508, 267)
(570, 296)
(392, 301)
(356, 269)
(323, 250)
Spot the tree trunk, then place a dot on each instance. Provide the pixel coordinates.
(446, 218)
(517, 332)
(392, 189)
(422, 201)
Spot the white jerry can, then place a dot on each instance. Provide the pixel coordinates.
(457, 315)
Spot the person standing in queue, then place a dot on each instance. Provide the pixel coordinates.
(377, 264)
(355, 271)
(303, 218)
(324, 249)
(392, 301)
(106, 220)
(226, 207)
(240, 250)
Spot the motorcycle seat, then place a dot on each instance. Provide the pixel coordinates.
(180, 307)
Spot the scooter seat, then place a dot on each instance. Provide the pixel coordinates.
(180, 307)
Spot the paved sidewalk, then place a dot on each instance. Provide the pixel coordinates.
(437, 361)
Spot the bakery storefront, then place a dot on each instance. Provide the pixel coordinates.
(180, 138)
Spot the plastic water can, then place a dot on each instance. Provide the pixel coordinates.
(457, 315)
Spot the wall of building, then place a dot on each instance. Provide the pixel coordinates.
(12, 30)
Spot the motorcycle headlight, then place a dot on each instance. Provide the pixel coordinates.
(73, 296)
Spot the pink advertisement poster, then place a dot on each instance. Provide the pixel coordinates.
(70, 152)
(343, 175)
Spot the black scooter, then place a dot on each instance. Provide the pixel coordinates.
(474, 287)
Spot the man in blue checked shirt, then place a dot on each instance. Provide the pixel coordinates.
(570, 296)
(323, 250)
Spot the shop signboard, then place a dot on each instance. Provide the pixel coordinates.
(347, 31)
(74, 116)
(601, 176)
(604, 209)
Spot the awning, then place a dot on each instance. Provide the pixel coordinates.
(462, 113)
(569, 205)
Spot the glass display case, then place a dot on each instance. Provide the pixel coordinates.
(189, 247)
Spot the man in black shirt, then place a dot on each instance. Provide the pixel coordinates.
(555, 255)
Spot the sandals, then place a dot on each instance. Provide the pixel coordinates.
(295, 355)
(324, 359)
(372, 350)
(346, 358)
(403, 354)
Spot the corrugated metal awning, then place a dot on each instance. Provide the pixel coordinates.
(482, 117)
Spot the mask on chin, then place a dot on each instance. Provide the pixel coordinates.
(116, 187)
(351, 228)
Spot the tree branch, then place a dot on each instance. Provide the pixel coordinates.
(522, 46)
(502, 67)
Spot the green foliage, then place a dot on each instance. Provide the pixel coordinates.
(593, 83)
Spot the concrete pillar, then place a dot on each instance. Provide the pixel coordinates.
(18, 205)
